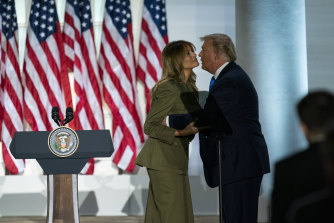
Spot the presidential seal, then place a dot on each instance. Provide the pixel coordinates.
(63, 141)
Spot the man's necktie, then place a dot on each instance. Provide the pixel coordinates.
(211, 82)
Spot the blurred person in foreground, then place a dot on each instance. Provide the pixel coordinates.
(302, 173)
(165, 153)
(318, 206)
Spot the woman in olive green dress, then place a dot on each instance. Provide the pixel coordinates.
(165, 154)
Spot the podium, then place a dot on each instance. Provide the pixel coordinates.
(62, 171)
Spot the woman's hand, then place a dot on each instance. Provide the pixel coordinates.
(190, 129)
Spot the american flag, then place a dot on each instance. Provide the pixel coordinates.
(1, 10)
(81, 57)
(11, 85)
(46, 78)
(1, 62)
(152, 40)
(119, 82)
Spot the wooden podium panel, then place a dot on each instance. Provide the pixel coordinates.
(63, 198)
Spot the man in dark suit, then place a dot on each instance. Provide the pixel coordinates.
(300, 178)
(232, 102)
(245, 155)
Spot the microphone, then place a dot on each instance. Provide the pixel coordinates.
(55, 115)
(69, 116)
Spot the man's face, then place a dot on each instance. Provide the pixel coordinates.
(207, 56)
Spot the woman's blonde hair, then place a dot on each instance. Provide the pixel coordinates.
(172, 58)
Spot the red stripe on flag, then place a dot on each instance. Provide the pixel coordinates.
(127, 139)
(127, 102)
(34, 93)
(152, 41)
(10, 165)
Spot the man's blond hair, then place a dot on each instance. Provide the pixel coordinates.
(222, 44)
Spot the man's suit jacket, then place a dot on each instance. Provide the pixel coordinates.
(296, 177)
(244, 152)
(164, 151)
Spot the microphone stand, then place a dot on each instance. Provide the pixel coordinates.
(219, 137)
(220, 129)
(211, 116)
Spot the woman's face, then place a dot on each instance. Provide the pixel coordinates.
(190, 61)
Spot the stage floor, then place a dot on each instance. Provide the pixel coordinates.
(114, 219)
